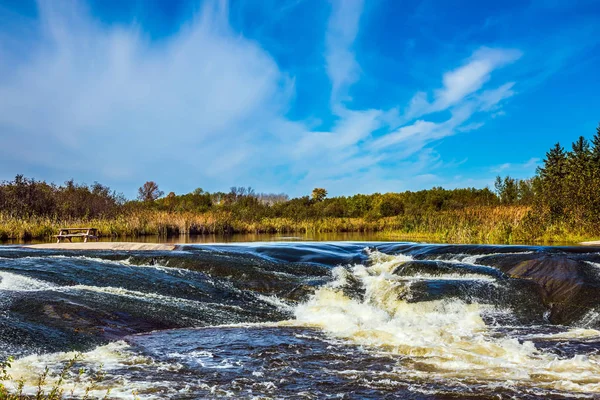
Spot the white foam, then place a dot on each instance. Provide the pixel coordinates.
(63, 257)
(575, 333)
(449, 338)
(20, 283)
(280, 304)
(473, 259)
(133, 294)
(596, 268)
(119, 263)
(147, 297)
(448, 277)
(203, 358)
(593, 264)
(111, 359)
(116, 263)
(589, 319)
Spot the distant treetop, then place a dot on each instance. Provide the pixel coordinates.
(318, 194)
(149, 192)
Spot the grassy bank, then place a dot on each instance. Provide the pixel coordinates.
(496, 224)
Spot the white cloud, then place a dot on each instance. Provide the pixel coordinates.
(526, 168)
(501, 168)
(351, 128)
(418, 106)
(88, 97)
(462, 95)
(342, 68)
(491, 98)
(466, 80)
(471, 77)
(104, 103)
(419, 130)
(470, 127)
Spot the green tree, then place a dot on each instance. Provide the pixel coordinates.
(578, 177)
(594, 184)
(526, 191)
(552, 181)
(170, 201)
(318, 194)
(507, 189)
(596, 148)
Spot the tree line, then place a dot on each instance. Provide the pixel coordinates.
(564, 190)
(25, 198)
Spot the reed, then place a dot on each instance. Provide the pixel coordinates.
(483, 224)
(52, 386)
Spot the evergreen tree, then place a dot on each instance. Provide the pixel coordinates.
(594, 184)
(578, 179)
(552, 181)
(596, 148)
(526, 191)
(499, 187)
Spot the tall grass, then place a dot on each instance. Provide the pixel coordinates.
(484, 224)
(52, 386)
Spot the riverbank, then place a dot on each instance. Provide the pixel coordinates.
(493, 224)
(111, 246)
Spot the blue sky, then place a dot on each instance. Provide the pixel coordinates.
(354, 96)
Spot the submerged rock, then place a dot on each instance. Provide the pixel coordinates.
(569, 287)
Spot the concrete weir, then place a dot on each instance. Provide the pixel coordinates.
(116, 246)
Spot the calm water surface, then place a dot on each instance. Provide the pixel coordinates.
(245, 238)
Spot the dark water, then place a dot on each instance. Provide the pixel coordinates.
(308, 320)
(245, 238)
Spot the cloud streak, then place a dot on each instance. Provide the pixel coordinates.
(207, 107)
(342, 28)
(104, 96)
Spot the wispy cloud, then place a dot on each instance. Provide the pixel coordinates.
(342, 68)
(106, 103)
(89, 97)
(471, 77)
(463, 95)
(528, 167)
(466, 80)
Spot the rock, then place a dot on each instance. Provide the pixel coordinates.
(568, 287)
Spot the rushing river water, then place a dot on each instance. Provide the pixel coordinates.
(307, 320)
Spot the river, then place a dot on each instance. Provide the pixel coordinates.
(308, 320)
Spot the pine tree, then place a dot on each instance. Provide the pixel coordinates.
(525, 191)
(554, 168)
(552, 181)
(596, 148)
(578, 180)
(594, 185)
(499, 187)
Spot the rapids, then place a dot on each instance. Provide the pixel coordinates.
(306, 320)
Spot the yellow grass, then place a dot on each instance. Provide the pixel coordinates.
(498, 224)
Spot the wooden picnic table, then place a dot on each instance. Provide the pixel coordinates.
(70, 233)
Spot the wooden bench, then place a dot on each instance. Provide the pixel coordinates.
(70, 233)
